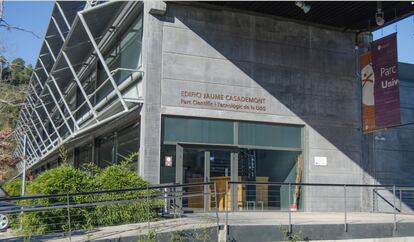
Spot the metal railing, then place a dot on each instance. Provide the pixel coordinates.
(78, 214)
(170, 208)
(345, 203)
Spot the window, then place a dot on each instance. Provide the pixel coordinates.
(127, 142)
(194, 130)
(83, 155)
(262, 134)
(268, 166)
(117, 146)
(126, 53)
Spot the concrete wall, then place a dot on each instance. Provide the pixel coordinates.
(305, 74)
(392, 161)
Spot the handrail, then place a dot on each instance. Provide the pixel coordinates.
(16, 198)
(319, 184)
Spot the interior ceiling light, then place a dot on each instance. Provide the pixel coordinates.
(302, 5)
(379, 15)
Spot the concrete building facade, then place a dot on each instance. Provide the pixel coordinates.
(215, 93)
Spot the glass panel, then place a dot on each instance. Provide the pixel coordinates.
(128, 142)
(83, 155)
(178, 129)
(168, 161)
(267, 166)
(220, 174)
(105, 151)
(126, 53)
(193, 171)
(260, 134)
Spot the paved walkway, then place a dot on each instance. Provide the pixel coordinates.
(200, 221)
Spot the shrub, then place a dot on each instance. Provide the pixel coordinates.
(132, 206)
(13, 187)
(61, 180)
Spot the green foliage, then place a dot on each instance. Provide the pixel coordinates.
(13, 187)
(132, 207)
(16, 72)
(9, 110)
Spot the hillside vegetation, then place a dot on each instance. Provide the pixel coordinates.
(13, 88)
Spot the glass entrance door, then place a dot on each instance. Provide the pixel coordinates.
(204, 164)
(194, 166)
(220, 174)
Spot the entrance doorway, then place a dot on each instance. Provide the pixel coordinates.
(196, 164)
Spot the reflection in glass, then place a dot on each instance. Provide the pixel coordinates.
(267, 166)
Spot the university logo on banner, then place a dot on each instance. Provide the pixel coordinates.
(368, 103)
(380, 85)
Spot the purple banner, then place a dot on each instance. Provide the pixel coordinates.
(387, 84)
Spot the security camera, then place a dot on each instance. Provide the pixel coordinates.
(379, 18)
(302, 5)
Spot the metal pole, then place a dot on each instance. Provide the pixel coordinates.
(401, 200)
(148, 212)
(395, 209)
(24, 166)
(226, 206)
(102, 59)
(345, 211)
(290, 212)
(68, 209)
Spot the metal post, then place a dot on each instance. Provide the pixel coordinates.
(401, 200)
(24, 166)
(68, 209)
(345, 211)
(395, 208)
(148, 212)
(226, 206)
(102, 59)
(290, 212)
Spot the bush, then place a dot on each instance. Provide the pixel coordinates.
(13, 187)
(132, 206)
(119, 176)
(61, 180)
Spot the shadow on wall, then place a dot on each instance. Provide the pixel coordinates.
(309, 73)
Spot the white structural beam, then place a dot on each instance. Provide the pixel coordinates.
(102, 59)
(68, 62)
(59, 109)
(47, 113)
(40, 121)
(62, 97)
(62, 14)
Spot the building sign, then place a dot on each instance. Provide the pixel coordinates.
(386, 85)
(222, 100)
(321, 161)
(368, 104)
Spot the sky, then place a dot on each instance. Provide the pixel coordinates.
(32, 16)
(35, 15)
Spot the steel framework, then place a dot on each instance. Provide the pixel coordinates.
(51, 116)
